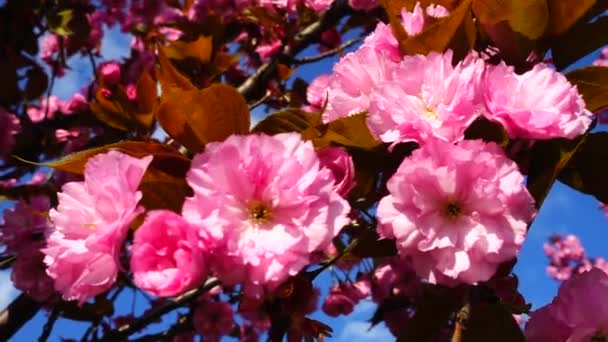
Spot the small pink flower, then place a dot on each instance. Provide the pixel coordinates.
(25, 223)
(316, 93)
(338, 302)
(91, 223)
(48, 108)
(9, 127)
(330, 39)
(318, 6)
(110, 73)
(363, 5)
(263, 204)
(213, 320)
(457, 211)
(268, 49)
(29, 273)
(539, 104)
(341, 165)
(76, 104)
(579, 312)
(165, 258)
(353, 81)
(427, 98)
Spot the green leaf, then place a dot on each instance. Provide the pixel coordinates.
(592, 83)
(588, 169)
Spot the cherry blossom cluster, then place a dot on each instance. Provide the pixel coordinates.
(567, 257)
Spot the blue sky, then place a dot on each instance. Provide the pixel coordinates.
(565, 211)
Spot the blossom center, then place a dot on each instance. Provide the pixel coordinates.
(259, 213)
(452, 210)
(430, 113)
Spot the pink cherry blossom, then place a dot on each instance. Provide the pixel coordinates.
(457, 211)
(110, 73)
(427, 98)
(341, 165)
(353, 80)
(48, 107)
(363, 5)
(263, 204)
(383, 39)
(395, 278)
(165, 258)
(25, 223)
(339, 302)
(91, 223)
(77, 103)
(29, 273)
(316, 93)
(318, 6)
(579, 312)
(517, 102)
(9, 127)
(213, 320)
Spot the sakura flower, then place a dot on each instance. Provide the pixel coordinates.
(579, 312)
(414, 22)
(363, 5)
(24, 224)
(427, 98)
(9, 127)
(76, 104)
(457, 211)
(263, 205)
(48, 107)
(110, 73)
(341, 165)
(539, 104)
(91, 223)
(213, 320)
(29, 273)
(165, 257)
(353, 80)
(316, 93)
(339, 302)
(318, 6)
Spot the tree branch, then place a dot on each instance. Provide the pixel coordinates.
(462, 318)
(48, 327)
(126, 330)
(254, 87)
(19, 312)
(328, 53)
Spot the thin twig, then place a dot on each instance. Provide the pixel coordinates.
(328, 53)
(128, 329)
(48, 327)
(351, 245)
(257, 81)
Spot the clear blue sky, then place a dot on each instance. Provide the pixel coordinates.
(565, 211)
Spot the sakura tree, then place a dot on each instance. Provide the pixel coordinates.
(411, 171)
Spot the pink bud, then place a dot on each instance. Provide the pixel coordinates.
(110, 73)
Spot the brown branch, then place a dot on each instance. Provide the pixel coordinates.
(254, 87)
(19, 312)
(123, 332)
(48, 327)
(462, 318)
(328, 53)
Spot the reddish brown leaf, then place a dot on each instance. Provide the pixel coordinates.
(565, 13)
(592, 83)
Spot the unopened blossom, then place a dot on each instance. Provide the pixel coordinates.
(539, 104)
(341, 165)
(166, 260)
(427, 98)
(91, 223)
(339, 302)
(364, 5)
(268, 49)
(578, 313)
(29, 273)
(330, 39)
(264, 205)
(316, 93)
(457, 211)
(353, 81)
(110, 73)
(9, 127)
(213, 320)
(318, 6)
(25, 223)
(77, 103)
